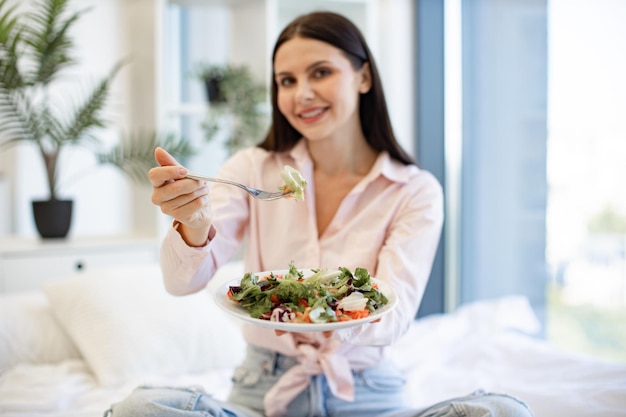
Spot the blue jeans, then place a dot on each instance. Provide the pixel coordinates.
(379, 391)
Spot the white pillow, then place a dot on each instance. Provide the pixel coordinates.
(29, 333)
(128, 328)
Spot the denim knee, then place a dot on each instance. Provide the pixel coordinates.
(482, 403)
(175, 402)
(508, 406)
(155, 402)
(479, 404)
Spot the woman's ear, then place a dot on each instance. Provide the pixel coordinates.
(366, 78)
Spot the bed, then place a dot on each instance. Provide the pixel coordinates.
(86, 341)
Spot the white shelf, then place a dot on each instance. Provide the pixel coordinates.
(28, 263)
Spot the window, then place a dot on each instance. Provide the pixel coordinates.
(193, 35)
(586, 222)
(535, 163)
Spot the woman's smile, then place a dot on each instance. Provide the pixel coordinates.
(312, 115)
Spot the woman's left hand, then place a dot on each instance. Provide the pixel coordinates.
(327, 334)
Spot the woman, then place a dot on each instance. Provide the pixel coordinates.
(367, 205)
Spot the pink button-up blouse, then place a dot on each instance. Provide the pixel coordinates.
(390, 223)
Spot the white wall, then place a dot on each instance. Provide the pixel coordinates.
(5, 207)
(395, 57)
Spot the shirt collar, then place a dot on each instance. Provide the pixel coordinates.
(391, 169)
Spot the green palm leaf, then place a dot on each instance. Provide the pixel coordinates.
(10, 40)
(134, 155)
(49, 40)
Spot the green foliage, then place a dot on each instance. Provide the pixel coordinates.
(240, 106)
(608, 221)
(586, 328)
(210, 71)
(134, 155)
(35, 48)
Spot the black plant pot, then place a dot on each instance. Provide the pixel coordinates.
(213, 91)
(53, 217)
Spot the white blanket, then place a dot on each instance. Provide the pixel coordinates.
(487, 345)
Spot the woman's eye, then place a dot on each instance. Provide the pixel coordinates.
(321, 72)
(285, 82)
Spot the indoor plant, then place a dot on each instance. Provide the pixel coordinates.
(236, 99)
(213, 77)
(35, 48)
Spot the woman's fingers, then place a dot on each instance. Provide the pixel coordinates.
(164, 158)
(169, 169)
(185, 200)
(326, 334)
(162, 175)
(178, 197)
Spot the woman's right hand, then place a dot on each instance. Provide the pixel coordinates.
(186, 200)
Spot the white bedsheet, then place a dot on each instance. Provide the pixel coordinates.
(70, 389)
(553, 383)
(482, 346)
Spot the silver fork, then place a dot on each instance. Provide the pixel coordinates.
(258, 194)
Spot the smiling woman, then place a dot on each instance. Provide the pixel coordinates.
(330, 121)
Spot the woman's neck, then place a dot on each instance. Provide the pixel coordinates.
(343, 156)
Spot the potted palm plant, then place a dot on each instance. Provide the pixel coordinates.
(35, 49)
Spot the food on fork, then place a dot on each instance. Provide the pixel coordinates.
(294, 182)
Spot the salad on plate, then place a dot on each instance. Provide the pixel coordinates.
(325, 296)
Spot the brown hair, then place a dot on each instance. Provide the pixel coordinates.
(341, 33)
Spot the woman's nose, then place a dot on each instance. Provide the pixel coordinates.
(304, 92)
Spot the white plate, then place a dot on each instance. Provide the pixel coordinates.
(231, 307)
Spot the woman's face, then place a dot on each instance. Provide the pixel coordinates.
(318, 89)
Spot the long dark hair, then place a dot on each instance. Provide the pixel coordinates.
(341, 33)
